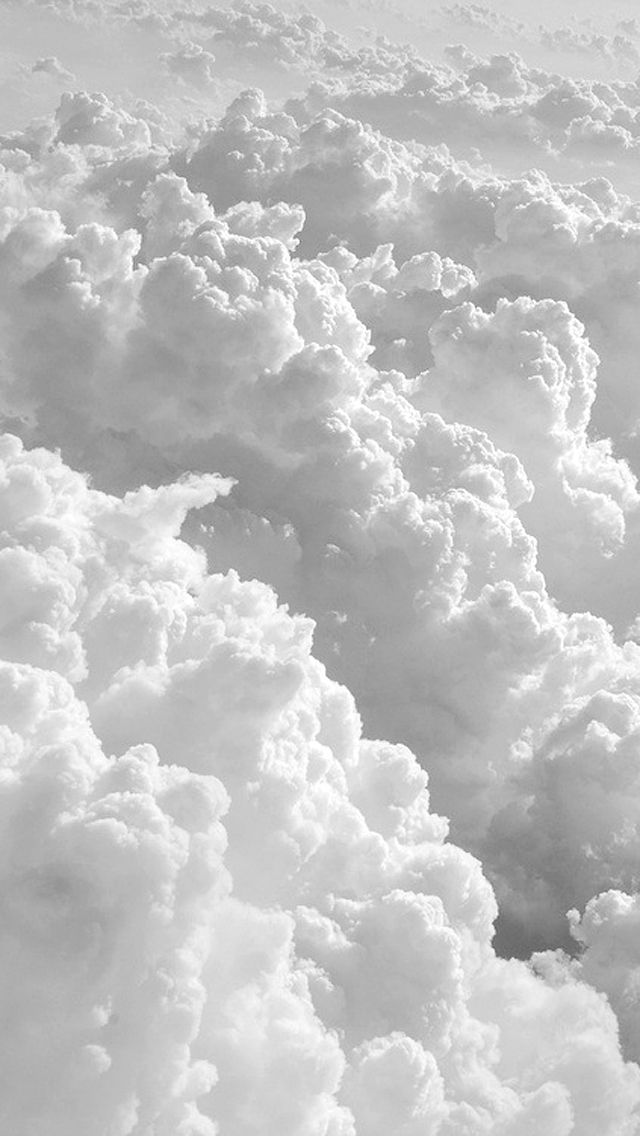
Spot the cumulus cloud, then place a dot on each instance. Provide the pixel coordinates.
(259, 37)
(191, 63)
(619, 48)
(409, 511)
(498, 109)
(307, 356)
(537, 350)
(483, 17)
(205, 930)
(608, 934)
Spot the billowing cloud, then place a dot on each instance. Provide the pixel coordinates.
(534, 353)
(482, 16)
(309, 355)
(619, 48)
(608, 934)
(191, 63)
(410, 510)
(251, 916)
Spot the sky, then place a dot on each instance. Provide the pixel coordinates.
(319, 532)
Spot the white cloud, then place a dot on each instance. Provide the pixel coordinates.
(280, 973)
(51, 65)
(483, 17)
(619, 48)
(395, 373)
(527, 376)
(608, 934)
(191, 63)
(388, 508)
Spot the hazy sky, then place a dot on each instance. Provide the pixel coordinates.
(319, 602)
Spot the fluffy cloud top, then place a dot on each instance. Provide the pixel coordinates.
(306, 356)
(192, 63)
(408, 510)
(250, 917)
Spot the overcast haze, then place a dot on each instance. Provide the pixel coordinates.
(319, 598)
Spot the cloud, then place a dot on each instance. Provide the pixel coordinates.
(410, 512)
(537, 350)
(580, 795)
(495, 109)
(207, 927)
(618, 48)
(398, 303)
(261, 33)
(483, 18)
(394, 373)
(192, 64)
(608, 934)
(269, 43)
(51, 65)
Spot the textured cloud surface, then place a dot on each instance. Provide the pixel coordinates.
(320, 524)
(220, 904)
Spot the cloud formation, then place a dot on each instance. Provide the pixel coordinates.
(51, 65)
(191, 63)
(309, 355)
(408, 510)
(205, 929)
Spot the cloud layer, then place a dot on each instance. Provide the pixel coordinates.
(249, 915)
(357, 428)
